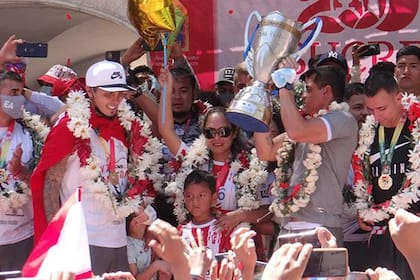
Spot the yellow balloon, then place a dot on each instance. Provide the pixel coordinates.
(151, 18)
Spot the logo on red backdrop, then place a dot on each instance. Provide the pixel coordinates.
(384, 15)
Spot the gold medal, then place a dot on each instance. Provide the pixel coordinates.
(385, 182)
(113, 178)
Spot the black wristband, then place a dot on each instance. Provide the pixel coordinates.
(289, 86)
(138, 93)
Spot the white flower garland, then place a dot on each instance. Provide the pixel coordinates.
(408, 194)
(145, 167)
(246, 180)
(17, 196)
(284, 204)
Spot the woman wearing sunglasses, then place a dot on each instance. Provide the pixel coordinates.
(221, 150)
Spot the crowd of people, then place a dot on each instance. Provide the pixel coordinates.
(169, 182)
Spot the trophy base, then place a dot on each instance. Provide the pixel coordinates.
(246, 122)
(251, 108)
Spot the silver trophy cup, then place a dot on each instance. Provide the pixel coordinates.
(276, 38)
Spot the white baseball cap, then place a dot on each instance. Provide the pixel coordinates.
(108, 76)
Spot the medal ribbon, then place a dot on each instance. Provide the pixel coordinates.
(111, 163)
(6, 144)
(386, 159)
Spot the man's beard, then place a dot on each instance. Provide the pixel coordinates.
(180, 115)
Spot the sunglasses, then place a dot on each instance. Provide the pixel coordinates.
(211, 133)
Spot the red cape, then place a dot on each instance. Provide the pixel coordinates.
(58, 145)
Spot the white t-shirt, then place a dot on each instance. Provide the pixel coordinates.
(104, 228)
(17, 225)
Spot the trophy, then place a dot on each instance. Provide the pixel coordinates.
(276, 37)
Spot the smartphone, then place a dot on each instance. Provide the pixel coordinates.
(27, 49)
(368, 50)
(10, 274)
(310, 236)
(357, 275)
(147, 48)
(327, 262)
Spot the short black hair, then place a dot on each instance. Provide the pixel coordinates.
(382, 66)
(353, 89)
(380, 80)
(409, 50)
(10, 75)
(183, 73)
(198, 176)
(328, 75)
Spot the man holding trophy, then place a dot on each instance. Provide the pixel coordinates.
(314, 155)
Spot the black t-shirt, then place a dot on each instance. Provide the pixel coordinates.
(399, 163)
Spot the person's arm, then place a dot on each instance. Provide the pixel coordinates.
(288, 262)
(298, 128)
(134, 52)
(8, 51)
(53, 177)
(405, 229)
(181, 61)
(149, 107)
(166, 126)
(267, 146)
(231, 219)
(167, 244)
(151, 270)
(48, 105)
(16, 167)
(244, 247)
(355, 68)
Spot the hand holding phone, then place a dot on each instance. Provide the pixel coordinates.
(309, 236)
(368, 50)
(327, 262)
(27, 49)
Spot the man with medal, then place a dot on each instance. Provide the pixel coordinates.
(89, 147)
(388, 162)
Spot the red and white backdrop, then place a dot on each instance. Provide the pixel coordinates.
(213, 33)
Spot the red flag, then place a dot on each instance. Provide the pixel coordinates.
(63, 246)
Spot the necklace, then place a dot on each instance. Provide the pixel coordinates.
(144, 154)
(385, 180)
(249, 173)
(409, 192)
(286, 202)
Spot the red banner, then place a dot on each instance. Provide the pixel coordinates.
(215, 29)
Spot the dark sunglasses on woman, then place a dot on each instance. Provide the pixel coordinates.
(211, 133)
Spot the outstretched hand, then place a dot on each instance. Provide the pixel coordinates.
(15, 165)
(8, 51)
(288, 262)
(134, 52)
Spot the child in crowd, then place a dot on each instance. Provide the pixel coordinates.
(140, 257)
(200, 200)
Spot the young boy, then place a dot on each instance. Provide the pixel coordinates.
(200, 198)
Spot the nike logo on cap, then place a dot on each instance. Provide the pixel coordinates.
(116, 75)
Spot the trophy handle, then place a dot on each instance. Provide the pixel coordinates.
(311, 38)
(248, 44)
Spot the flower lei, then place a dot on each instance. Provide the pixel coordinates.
(284, 203)
(144, 154)
(18, 196)
(410, 191)
(249, 173)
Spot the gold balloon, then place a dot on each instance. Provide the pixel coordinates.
(180, 14)
(151, 18)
